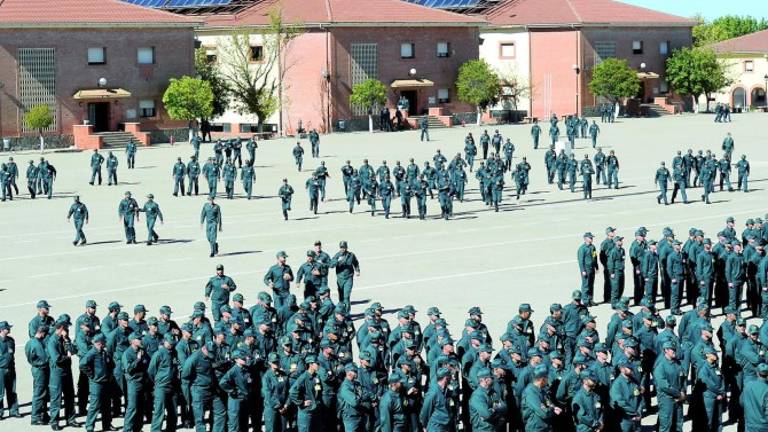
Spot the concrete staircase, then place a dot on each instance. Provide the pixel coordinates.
(112, 140)
(655, 110)
(433, 121)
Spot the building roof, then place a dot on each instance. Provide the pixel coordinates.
(752, 43)
(556, 13)
(344, 12)
(85, 13)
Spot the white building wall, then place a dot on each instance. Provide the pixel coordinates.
(219, 42)
(517, 66)
(743, 79)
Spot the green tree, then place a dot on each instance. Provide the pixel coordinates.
(695, 72)
(209, 71)
(39, 118)
(479, 85)
(367, 95)
(726, 27)
(614, 79)
(256, 84)
(188, 99)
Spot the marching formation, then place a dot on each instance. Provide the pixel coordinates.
(310, 365)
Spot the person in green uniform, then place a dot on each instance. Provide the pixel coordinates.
(298, 156)
(486, 412)
(670, 381)
(279, 278)
(537, 407)
(61, 389)
(305, 394)
(211, 171)
(199, 372)
(612, 163)
(128, 213)
(247, 175)
(675, 267)
(37, 357)
(96, 161)
(710, 378)
(98, 366)
(237, 384)
(354, 400)
(130, 153)
(742, 167)
(535, 133)
(193, 173)
(285, 193)
(229, 174)
(274, 390)
(626, 396)
(439, 410)
(8, 371)
(152, 211)
(211, 215)
(217, 291)
(79, 212)
(615, 264)
(178, 173)
(587, 259)
(347, 267)
(391, 416)
(662, 180)
(587, 406)
(112, 169)
(728, 147)
(594, 131)
(587, 170)
(754, 399)
(135, 362)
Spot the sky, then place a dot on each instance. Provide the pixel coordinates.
(708, 8)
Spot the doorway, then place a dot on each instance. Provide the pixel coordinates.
(412, 98)
(98, 115)
(641, 92)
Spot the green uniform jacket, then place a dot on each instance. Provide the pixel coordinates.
(537, 413)
(37, 356)
(616, 258)
(135, 368)
(97, 366)
(626, 398)
(439, 411)
(587, 258)
(307, 387)
(215, 290)
(237, 382)
(391, 415)
(754, 400)
(483, 416)
(353, 401)
(588, 410)
(670, 378)
(163, 369)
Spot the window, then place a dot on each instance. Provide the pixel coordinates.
(663, 87)
(96, 56)
(749, 66)
(443, 49)
(221, 127)
(146, 108)
(211, 55)
(507, 50)
(257, 53)
(664, 48)
(37, 81)
(146, 55)
(637, 47)
(604, 50)
(443, 96)
(406, 50)
(364, 65)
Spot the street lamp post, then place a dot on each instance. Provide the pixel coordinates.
(577, 71)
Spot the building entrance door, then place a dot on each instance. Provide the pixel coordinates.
(412, 98)
(98, 115)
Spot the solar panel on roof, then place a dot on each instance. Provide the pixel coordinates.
(447, 4)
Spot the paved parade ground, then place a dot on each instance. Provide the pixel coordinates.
(524, 253)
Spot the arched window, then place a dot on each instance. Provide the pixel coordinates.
(758, 97)
(739, 98)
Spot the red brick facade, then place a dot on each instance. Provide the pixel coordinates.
(320, 99)
(173, 54)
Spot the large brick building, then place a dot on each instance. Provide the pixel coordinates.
(344, 42)
(103, 61)
(553, 45)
